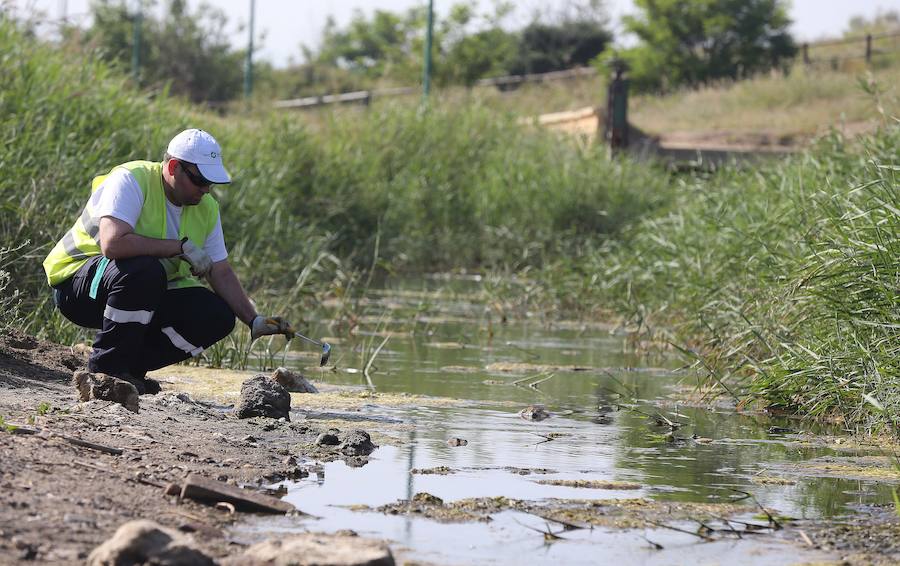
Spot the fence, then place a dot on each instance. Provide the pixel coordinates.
(366, 96)
(868, 52)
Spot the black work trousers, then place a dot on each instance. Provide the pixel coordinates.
(142, 325)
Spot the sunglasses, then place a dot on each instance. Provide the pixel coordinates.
(195, 178)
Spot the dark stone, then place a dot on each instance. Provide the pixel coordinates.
(262, 397)
(357, 443)
(327, 439)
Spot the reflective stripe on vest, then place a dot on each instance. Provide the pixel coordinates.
(82, 240)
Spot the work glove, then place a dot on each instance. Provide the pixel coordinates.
(266, 325)
(200, 262)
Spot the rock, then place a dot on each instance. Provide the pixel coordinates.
(425, 498)
(211, 491)
(262, 397)
(293, 381)
(534, 413)
(357, 443)
(145, 542)
(457, 442)
(327, 439)
(315, 549)
(106, 388)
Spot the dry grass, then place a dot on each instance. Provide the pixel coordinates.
(803, 104)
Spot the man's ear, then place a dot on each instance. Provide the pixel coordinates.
(170, 166)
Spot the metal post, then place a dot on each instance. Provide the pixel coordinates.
(136, 44)
(868, 48)
(426, 78)
(248, 64)
(806, 53)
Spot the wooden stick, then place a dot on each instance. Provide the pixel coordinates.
(536, 383)
(772, 521)
(19, 429)
(806, 539)
(664, 526)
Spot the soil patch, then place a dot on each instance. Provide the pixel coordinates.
(58, 500)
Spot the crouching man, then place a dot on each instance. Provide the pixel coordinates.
(130, 264)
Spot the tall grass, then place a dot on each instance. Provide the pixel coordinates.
(781, 281)
(435, 188)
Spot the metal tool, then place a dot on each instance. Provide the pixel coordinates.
(326, 348)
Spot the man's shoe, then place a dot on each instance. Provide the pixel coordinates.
(151, 386)
(139, 384)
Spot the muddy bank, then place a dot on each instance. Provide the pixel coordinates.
(59, 500)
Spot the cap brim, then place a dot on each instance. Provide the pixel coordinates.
(215, 173)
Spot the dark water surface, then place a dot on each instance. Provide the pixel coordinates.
(444, 346)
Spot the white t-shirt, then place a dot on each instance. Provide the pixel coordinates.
(121, 197)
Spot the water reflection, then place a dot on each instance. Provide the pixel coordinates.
(600, 430)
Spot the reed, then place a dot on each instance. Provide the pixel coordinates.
(780, 281)
(428, 188)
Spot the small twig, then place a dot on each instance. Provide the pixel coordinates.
(727, 524)
(772, 521)
(536, 383)
(748, 527)
(527, 377)
(544, 436)
(806, 538)
(655, 545)
(664, 526)
(548, 534)
(568, 526)
(90, 466)
(20, 429)
(372, 360)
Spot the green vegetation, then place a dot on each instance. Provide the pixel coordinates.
(780, 280)
(399, 186)
(692, 43)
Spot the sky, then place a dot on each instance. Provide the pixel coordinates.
(281, 26)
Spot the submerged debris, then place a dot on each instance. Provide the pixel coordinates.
(592, 484)
(534, 413)
(610, 513)
(437, 470)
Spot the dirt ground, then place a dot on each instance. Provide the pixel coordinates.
(58, 501)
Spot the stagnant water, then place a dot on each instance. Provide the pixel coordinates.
(448, 344)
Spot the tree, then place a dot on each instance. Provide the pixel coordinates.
(188, 52)
(691, 42)
(388, 45)
(555, 47)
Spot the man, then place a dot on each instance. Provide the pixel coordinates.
(130, 265)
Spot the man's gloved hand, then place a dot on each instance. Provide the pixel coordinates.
(266, 325)
(200, 262)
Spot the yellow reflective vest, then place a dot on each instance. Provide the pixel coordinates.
(82, 241)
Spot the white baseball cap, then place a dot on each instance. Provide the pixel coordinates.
(198, 147)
